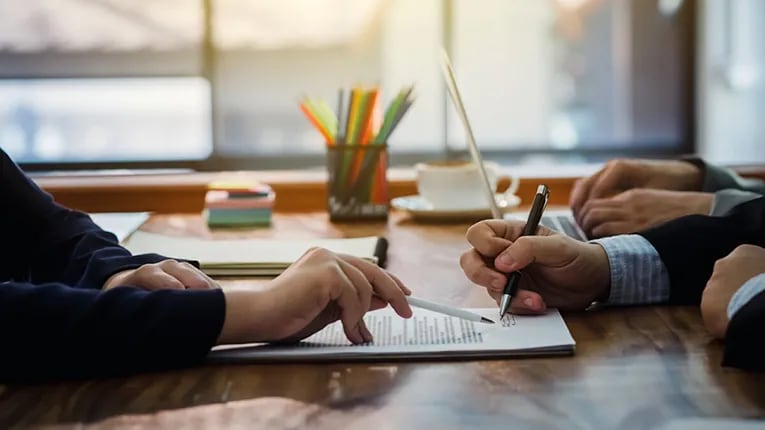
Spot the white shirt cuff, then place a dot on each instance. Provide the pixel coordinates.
(638, 275)
(751, 288)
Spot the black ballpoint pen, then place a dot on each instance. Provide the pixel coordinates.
(532, 223)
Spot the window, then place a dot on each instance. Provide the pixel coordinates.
(573, 73)
(217, 81)
(106, 119)
(732, 77)
(103, 80)
(270, 53)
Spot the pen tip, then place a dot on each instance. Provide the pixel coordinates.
(504, 305)
(486, 320)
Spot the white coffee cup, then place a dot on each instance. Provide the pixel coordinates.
(457, 185)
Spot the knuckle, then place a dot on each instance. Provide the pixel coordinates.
(147, 269)
(473, 230)
(622, 165)
(721, 264)
(631, 194)
(743, 249)
(319, 253)
(617, 167)
(475, 274)
(465, 258)
(524, 243)
(333, 272)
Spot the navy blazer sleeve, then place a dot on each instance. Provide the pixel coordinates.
(716, 178)
(690, 246)
(55, 322)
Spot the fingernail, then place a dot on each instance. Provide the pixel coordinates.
(506, 259)
(498, 283)
(529, 303)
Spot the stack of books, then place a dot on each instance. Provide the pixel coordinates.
(239, 204)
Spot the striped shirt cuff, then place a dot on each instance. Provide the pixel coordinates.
(638, 275)
(746, 293)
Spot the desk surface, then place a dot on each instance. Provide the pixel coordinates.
(633, 368)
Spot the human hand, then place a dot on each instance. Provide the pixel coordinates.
(557, 271)
(730, 273)
(638, 209)
(622, 175)
(167, 274)
(318, 289)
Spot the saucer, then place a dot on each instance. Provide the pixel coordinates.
(420, 209)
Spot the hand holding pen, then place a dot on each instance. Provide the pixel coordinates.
(558, 271)
(535, 215)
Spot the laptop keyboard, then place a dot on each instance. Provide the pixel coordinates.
(564, 224)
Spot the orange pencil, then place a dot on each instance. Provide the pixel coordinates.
(364, 133)
(375, 122)
(369, 117)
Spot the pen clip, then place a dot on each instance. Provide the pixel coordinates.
(545, 192)
(547, 198)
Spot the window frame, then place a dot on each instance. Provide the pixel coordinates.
(216, 161)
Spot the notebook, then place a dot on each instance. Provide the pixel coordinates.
(250, 257)
(426, 335)
(122, 224)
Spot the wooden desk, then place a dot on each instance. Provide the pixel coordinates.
(633, 368)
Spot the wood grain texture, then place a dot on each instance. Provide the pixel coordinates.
(633, 368)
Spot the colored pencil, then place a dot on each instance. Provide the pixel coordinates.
(358, 131)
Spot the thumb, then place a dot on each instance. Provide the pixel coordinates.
(555, 250)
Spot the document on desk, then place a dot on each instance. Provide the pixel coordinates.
(425, 335)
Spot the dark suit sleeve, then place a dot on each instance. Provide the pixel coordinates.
(55, 322)
(716, 178)
(690, 246)
(53, 331)
(745, 338)
(46, 242)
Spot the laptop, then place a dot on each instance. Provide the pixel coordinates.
(559, 220)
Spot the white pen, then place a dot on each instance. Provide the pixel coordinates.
(447, 310)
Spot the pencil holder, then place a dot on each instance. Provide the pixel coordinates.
(358, 183)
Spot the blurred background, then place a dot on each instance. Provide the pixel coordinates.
(214, 84)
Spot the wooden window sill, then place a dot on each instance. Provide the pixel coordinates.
(296, 191)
